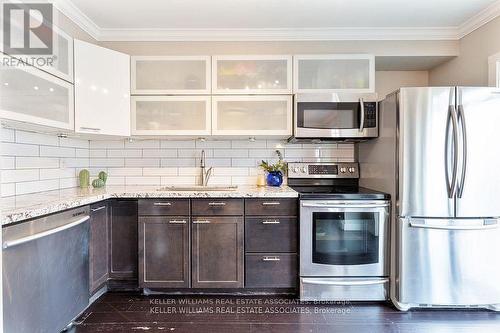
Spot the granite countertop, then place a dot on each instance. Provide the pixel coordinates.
(23, 207)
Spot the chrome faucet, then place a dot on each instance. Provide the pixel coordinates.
(205, 175)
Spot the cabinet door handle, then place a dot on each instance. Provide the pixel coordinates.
(177, 221)
(98, 208)
(271, 222)
(92, 129)
(162, 204)
(273, 203)
(271, 259)
(201, 222)
(216, 203)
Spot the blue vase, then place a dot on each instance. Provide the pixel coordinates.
(274, 178)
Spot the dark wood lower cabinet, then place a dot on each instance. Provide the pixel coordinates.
(98, 246)
(271, 270)
(164, 260)
(217, 252)
(123, 239)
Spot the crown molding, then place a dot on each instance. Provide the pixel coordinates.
(69, 9)
(486, 15)
(304, 34)
(311, 34)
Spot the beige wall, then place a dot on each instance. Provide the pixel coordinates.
(388, 81)
(471, 66)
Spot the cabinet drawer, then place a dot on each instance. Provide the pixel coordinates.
(164, 207)
(271, 270)
(217, 207)
(271, 234)
(271, 207)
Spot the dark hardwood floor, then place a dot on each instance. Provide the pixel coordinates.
(132, 312)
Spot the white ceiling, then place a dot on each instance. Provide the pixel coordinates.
(158, 19)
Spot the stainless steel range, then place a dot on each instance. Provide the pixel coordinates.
(343, 233)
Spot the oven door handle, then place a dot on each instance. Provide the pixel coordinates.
(345, 283)
(345, 205)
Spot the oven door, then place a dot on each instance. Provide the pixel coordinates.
(335, 116)
(343, 238)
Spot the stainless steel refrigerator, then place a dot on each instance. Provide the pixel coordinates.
(438, 155)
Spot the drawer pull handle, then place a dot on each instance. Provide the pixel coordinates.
(177, 221)
(162, 204)
(271, 259)
(97, 209)
(216, 203)
(271, 222)
(274, 203)
(201, 222)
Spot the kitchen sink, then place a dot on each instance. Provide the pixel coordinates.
(198, 188)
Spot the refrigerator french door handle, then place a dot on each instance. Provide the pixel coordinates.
(452, 185)
(463, 128)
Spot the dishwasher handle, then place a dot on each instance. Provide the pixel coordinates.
(45, 233)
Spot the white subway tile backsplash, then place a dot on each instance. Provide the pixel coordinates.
(37, 186)
(142, 162)
(248, 144)
(7, 135)
(159, 153)
(111, 144)
(36, 138)
(143, 181)
(213, 144)
(124, 153)
(7, 162)
(159, 171)
(112, 172)
(17, 149)
(140, 144)
(57, 151)
(107, 162)
(230, 153)
(15, 176)
(178, 144)
(36, 162)
(57, 173)
(8, 190)
(98, 153)
(74, 142)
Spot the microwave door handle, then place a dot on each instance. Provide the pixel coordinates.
(362, 110)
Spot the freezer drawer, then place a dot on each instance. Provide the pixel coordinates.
(447, 263)
(344, 289)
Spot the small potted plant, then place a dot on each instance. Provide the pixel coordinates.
(274, 171)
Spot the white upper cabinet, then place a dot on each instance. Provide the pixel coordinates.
(269, 116)
(102, 90)
(171, 115)
(32, 96)
(174, 75)
(259, 74)
(59, 62)
(334, 73)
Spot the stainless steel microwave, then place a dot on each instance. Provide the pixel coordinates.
(335, 117)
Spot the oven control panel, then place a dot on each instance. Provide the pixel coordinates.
(323, 170)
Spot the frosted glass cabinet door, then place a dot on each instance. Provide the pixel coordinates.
(30, 95)
(252, 116)
(60, 62)
(334, 73)
(171, 115)
(170, 75)
(252, 74)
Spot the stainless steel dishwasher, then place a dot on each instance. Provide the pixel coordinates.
(46, 272)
